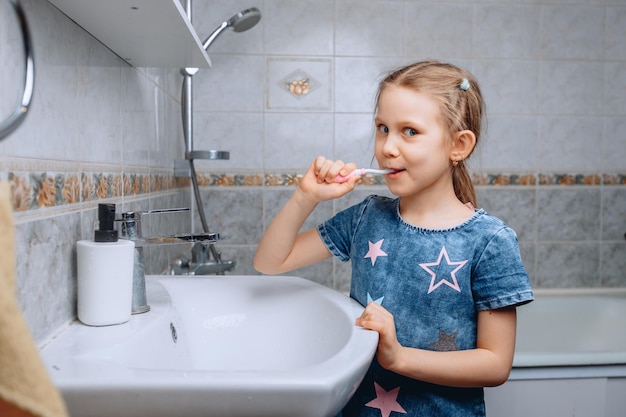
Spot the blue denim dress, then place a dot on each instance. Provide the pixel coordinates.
(434, 282)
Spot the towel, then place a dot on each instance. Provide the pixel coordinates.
(25, 386)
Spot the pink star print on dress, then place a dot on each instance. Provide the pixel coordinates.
(375, 251)
(454, 284)
(385, 401)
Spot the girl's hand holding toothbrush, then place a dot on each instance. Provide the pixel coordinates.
(319, 183)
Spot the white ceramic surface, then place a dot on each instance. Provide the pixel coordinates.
(572, 328)
(218, 346)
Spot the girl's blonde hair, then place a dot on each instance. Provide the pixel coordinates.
(462, 106)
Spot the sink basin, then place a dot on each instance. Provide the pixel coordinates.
(218, 346)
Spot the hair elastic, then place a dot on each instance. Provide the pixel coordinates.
(465, 85)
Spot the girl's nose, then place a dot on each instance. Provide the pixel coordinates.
(390, 146)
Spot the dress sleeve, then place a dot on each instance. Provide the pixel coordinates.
(337, 233)
(499, 279)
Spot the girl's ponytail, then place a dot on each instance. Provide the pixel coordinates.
(463, 186)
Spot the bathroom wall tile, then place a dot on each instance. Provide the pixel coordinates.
(93, 133)
(613, 213)
(170, 142)
(168, 79)
(572, 32)
(302, 29)
(571, 87)
(45, 266)
(354, 139)
(287, 76)
(521, 39)
(570, 143)
(50, 27)
(615, 85)
(508, 145)
(435, 30)
(613, 149)
(613, 264)
(137, 135)
(568, 214)
(208, 15)
(244, 228)
(274, 199)
(356, 82)
(567, 265)
(158, 258)
(97, 104)
(234, 83)
(156, 225)
(243, 255)
(50, 127)
(508, 86)
(136, 90)
(354, 38)
(616, 31)
(239, 133)
(292, 141)
(513, 206)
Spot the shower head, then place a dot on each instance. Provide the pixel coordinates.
(244, 20)
(240, 22)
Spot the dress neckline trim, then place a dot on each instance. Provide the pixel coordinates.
(477, 213)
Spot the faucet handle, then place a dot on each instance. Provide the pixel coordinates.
(131, 221)
(136, 215)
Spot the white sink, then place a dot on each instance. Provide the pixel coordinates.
(218, 346)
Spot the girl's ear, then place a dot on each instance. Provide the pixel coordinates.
(462, 145)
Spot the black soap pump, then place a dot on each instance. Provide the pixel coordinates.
(106, 220)
(105, 273)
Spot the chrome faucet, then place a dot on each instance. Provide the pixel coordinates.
(130, 229)
(202, 262)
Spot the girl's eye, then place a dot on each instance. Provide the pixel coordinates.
(410, 131)
(383, 129)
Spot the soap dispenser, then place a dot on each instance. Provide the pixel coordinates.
(105, 273)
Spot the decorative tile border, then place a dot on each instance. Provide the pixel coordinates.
(482, 179)
(36, 190)
(550, 179)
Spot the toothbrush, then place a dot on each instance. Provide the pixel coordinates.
(363, 171)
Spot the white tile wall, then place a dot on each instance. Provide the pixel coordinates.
(305, 28)
(543, 61)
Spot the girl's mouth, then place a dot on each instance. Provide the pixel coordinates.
(395, 172)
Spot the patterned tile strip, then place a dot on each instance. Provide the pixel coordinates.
(34, 190)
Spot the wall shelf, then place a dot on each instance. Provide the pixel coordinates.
(145, 33)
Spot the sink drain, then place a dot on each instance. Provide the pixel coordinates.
(173, 332)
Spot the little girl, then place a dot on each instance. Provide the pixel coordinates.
(440, 279)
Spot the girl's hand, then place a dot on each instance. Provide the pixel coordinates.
(319, 181)
(389, 351)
